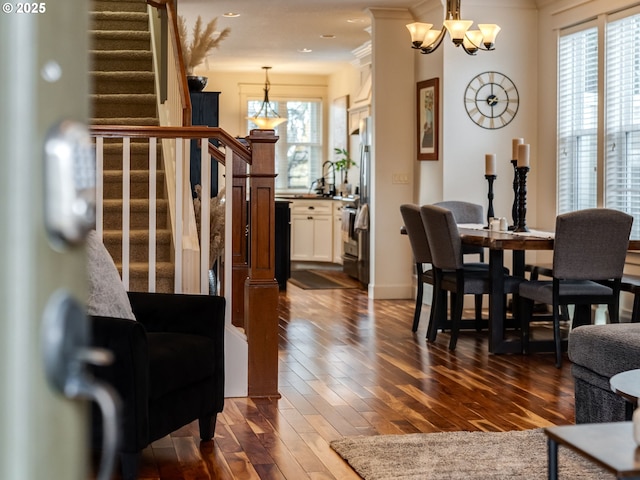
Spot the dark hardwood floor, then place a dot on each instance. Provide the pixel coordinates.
(351, 366)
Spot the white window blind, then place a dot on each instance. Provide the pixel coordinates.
(299, 148)
(577, 120)
(622, 149)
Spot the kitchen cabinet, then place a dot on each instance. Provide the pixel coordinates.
(312, 230)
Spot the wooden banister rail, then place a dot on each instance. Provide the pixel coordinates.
(215, 133)
(174, 44)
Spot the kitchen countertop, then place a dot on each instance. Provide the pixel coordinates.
(312, 196)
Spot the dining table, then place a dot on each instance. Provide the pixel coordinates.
(497, 243)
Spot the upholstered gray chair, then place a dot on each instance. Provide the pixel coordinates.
(466, 212)
(449, 272)
(589, 253)
(421, 255)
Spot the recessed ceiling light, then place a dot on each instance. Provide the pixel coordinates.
(328, 35)
(305, 50)
(231, 15)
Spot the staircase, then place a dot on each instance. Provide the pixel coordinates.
(124, 94)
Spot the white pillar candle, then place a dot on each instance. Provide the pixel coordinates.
(514, 147)
(490, 164)
(523, 155)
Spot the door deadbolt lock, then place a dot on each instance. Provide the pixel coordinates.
(70, 183)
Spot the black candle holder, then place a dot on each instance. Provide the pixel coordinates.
(522, 199)
(514, 208)
(490, 214)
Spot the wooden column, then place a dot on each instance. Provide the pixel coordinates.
(261, 288)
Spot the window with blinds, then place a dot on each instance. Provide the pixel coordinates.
(299, 148)
(577, 120)
(622, 148)
(579, 144)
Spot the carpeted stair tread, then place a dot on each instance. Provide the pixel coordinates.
(125, 97)
(139, 155)
(119, 5)
(119, 54)
(138, 213)
(138, 245)
(124, 34)
(122, 60)
(120, 40)
(139, 272)
(135, 21)
(115, 105)
(135, 205)
(135, 236)
(122, 82)
(140, 268)
(138, 184)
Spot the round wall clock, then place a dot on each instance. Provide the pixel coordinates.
(491, 100)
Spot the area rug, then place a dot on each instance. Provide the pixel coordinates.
(461, 456)
(322, 279)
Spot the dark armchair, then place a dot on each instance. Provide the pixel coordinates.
(168, 368)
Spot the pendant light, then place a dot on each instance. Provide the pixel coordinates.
(266, 118)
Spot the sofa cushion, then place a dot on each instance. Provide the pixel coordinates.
(107, 295)
(177, 360)
(606, 349)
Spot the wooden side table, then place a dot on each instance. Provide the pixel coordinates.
(609, 445)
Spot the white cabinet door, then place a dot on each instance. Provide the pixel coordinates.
(312, 230)
(302, 237)
(322, 238)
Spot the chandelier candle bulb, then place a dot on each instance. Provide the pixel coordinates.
(514, 149)
(490, 164)
(523, 155)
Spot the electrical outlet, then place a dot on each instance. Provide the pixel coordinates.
(400, 178)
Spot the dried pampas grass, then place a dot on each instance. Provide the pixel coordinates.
(202, 43)
(217, 211)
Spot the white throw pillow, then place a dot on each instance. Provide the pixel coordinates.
(107, 296)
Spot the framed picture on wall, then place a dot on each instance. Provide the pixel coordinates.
(428, 98)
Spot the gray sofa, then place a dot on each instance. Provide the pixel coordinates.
(598, 352)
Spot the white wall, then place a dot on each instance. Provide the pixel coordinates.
(393, 104)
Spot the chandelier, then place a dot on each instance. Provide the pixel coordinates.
(266, 118)
(428, 40)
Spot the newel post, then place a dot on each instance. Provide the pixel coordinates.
(261, 288)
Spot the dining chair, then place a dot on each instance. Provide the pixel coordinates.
(450, 274)
(466, 212)
(422, 256)
(589, 253)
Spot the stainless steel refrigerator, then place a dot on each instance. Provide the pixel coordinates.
(363, 216)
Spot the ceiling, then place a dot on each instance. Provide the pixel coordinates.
(273, 32)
